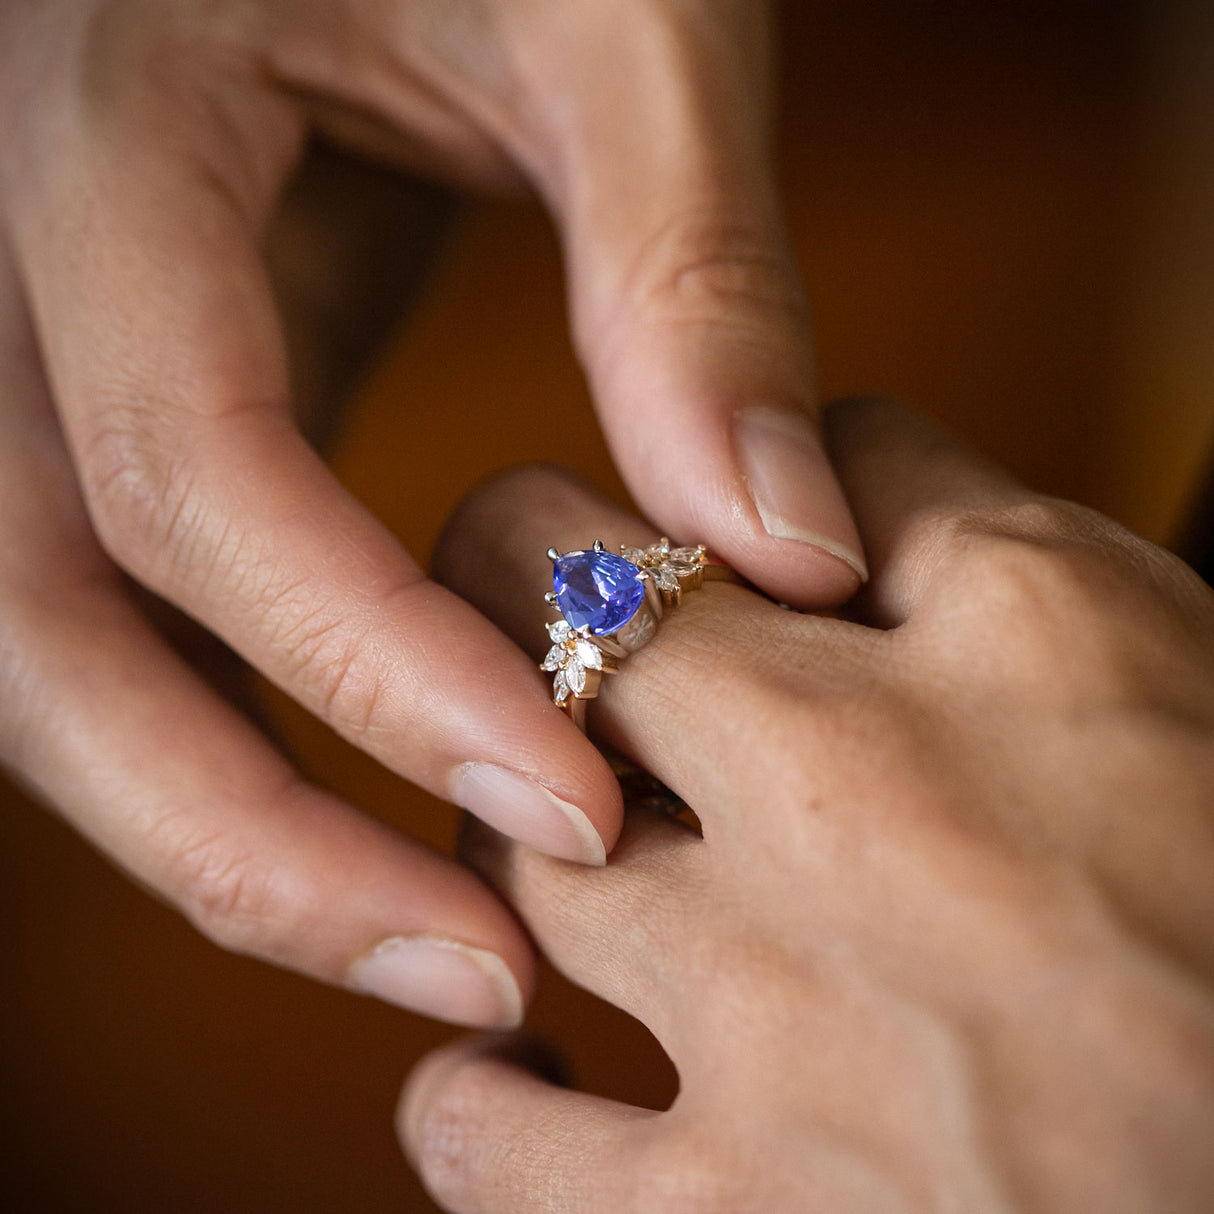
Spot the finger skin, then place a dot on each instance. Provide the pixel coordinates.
(713, 651)
(105, 722)
(164, 355)
(927, 504)
(185, 795)
(486, 1134)
(957, 948)
(645, 130)
(907, 480)
(688, 308)
(617, 931)
(646, 133)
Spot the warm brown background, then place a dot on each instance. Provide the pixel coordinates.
(1006, 216)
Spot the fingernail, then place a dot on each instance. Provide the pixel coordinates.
(528, 812)
(793, 485)
(441, 978)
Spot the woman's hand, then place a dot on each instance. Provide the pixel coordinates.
(947, 942)
(145, 429)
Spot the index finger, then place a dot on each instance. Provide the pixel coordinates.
(138, 252)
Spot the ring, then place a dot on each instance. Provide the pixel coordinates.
(610, 606)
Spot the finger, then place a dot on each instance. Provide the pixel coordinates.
(104, 721)
(911, 485)
(165, 359)
(620, 932)
(185, 795)
(688, 306)
(715, 650)
(486, 1133)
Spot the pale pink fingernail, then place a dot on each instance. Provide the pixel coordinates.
(528, 812)
(441, 978)
(793, 485)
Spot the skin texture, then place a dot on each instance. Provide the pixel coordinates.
(945, 943)
(146, 434)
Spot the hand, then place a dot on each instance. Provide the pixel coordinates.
(946, 942)
(146, 430)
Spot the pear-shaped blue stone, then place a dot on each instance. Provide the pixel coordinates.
(598, 589)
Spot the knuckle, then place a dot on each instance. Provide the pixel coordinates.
(1046, 568)
(1030, 550)
(232, 897)
(147, 471)
(1055, 596)
(700, 267)
(1042, 519)
(139, 487)
(329, 665)
(1036, 582)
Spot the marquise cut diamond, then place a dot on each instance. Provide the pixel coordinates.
(571, 656)
(665, 566)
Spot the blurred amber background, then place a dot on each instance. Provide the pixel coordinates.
(1006, 214)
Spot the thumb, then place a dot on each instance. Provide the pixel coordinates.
(689, 311)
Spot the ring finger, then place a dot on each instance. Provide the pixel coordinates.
(709, 651)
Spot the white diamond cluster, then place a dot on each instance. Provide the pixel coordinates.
(571, 655)
(665, 565)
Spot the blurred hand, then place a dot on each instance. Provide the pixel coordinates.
(146, 430)
(946, 942)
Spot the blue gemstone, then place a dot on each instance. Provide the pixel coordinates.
(598, 589)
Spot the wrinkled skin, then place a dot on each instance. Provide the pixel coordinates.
(946, 943)
(146, 434)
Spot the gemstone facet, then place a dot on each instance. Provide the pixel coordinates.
(596, 590)
(570, 657)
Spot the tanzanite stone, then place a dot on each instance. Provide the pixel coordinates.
(598, 589)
